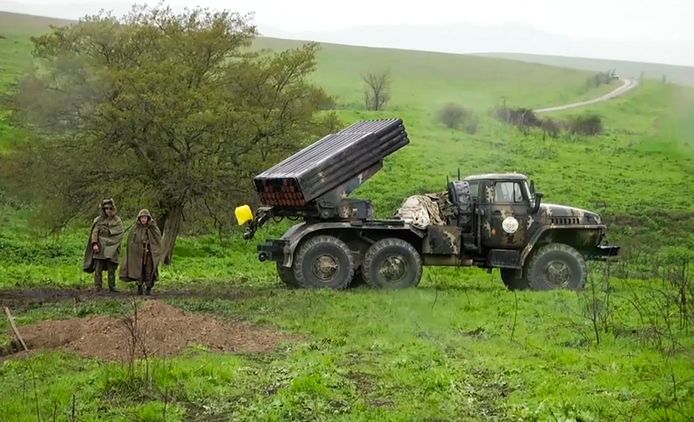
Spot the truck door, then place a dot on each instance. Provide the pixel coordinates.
(505, 220)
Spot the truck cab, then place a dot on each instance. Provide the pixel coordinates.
(511, 226)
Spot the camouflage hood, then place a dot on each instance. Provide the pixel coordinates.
(108, 201)
(561, 211)
(144, 213)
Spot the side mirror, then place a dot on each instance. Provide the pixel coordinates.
(538, 201)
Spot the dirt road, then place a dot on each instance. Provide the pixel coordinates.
(627, 85)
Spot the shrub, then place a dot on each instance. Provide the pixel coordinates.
(523, 118)
(601, 78)
(454, 116)
(471, 125)
(550, 127)
(588, 124)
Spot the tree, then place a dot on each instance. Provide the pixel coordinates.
(160, 109)
(377, 90)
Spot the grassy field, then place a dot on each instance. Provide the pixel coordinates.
(447, 351)
(459, 347)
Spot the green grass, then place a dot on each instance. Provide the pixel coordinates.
(441, 351)
(449, 350)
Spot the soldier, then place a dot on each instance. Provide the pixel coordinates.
(144, 253)
(103, 246)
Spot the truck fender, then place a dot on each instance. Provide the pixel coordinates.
(298, 232)
(525, 253)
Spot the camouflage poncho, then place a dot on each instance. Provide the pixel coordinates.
(140, 237)
(108, 233)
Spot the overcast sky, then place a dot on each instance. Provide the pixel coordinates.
(663, 28)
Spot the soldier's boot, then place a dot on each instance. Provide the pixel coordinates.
(139, 288)
(97, 280)
(148, 290)
(112, 281)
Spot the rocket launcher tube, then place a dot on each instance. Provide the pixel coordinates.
(326, 166)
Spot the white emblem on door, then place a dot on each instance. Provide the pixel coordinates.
(510, 225)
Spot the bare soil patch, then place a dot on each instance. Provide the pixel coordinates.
(160, 330)
(27, 298)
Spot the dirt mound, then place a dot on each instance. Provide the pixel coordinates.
(155, 329)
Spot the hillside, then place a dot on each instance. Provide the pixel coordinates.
(426, 80)
(15, 45)
(683, 75)
(420, 79)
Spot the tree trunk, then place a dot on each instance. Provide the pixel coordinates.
(172, 226)
(161, 221)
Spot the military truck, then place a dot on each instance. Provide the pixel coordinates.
(492, 221)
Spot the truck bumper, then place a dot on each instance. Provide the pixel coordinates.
(603, 253)
(273, 250)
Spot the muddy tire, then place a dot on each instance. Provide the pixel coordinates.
(287, 276)
(323, 262)
(392, 264)
(557, 266)
(514, 279)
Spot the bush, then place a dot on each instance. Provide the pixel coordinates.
(471, 125)
(550, 127)
(454, 116)
(601, 78)
(523, 118)
(589, 124)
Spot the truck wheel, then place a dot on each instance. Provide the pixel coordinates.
(392, 263)
(557, 266)
(287, 276)
(324, 261)
(513, 279)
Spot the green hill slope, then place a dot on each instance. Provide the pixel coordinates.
(678, 74)
(420, 79)
(424, 80)
(15, 45)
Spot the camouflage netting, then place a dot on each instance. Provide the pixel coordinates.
(424, 210)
